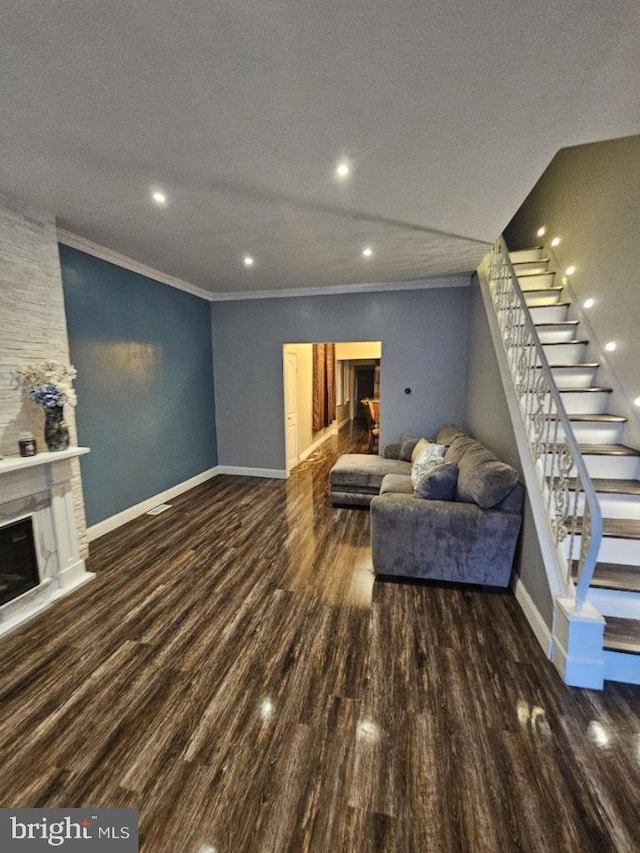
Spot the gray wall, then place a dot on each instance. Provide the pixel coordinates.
(424, 347)
(487, 418)
(589, 196)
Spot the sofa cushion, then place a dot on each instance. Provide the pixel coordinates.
(429, 456)
(447, 433)
(407, 447)
(459, 447)
(482, 479)
(438, 484)
(396, 484)
(363, 470)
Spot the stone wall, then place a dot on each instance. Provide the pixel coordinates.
(32, 327)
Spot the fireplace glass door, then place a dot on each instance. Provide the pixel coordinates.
(18, 561)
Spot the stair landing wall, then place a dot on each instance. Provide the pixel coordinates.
(588, 196)
(487, 418)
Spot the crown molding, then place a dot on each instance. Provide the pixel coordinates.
(113, 257)
(454, 280)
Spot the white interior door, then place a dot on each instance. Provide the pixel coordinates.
(291, 408)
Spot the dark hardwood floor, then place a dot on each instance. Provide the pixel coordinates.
(235, 673)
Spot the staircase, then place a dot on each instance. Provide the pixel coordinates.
(614, 468)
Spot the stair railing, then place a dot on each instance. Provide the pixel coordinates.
(571, 502)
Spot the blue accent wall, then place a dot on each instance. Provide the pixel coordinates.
(145, 382)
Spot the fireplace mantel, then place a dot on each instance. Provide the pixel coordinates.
(17, 463)
(40, 487)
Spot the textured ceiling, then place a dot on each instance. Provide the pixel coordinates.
(449, 113)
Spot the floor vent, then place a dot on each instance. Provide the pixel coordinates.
(158, 509)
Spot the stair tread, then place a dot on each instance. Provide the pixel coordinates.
(583, 364)
(608, 450)
(618, 487)
(543, 288)
(600, 449)
(621, 528)
(612, 576)
(555, 305)
(617, 528)
(589, 364)
(611, 486)
(530, 274)
(577, 390)
(599, 419)
(622, 635)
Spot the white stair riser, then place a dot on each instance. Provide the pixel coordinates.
(530, 266)
(575, 377)
(554, 334)
(603, 467)
(615, 506)
(543, 279)
(587, 433)
(585, 403)
(538, 297)
(624, 551)
(549, 313)
(612, 467)
(564, 353)
(621, 667)
(526, 255)
(615, 602)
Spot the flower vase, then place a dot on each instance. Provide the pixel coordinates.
(56, 431)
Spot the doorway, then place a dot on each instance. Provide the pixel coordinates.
(356, 375)
(291, 408)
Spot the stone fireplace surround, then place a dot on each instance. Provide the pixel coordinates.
(40, 487)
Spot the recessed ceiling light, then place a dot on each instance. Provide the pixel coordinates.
(610, 346)
(248, 261)
(541, 232)
(589, 303)
(555, 242)
(159, 197)
(366, 253)
(342, 169)
(570, 270)
(636, 402)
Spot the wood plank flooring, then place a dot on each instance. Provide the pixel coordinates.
(235, 674)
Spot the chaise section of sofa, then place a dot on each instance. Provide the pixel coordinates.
(356, 478)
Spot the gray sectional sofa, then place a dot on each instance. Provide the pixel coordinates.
(469, 538)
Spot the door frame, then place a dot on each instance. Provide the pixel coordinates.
(287, 440)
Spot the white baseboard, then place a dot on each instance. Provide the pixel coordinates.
(316, 444)
(534, 617)
(114, 521)
(240, 471)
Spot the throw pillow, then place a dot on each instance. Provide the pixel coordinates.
(430, 456)
(438, 484)
(482, 479)
(420, 446)
(407, 447)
